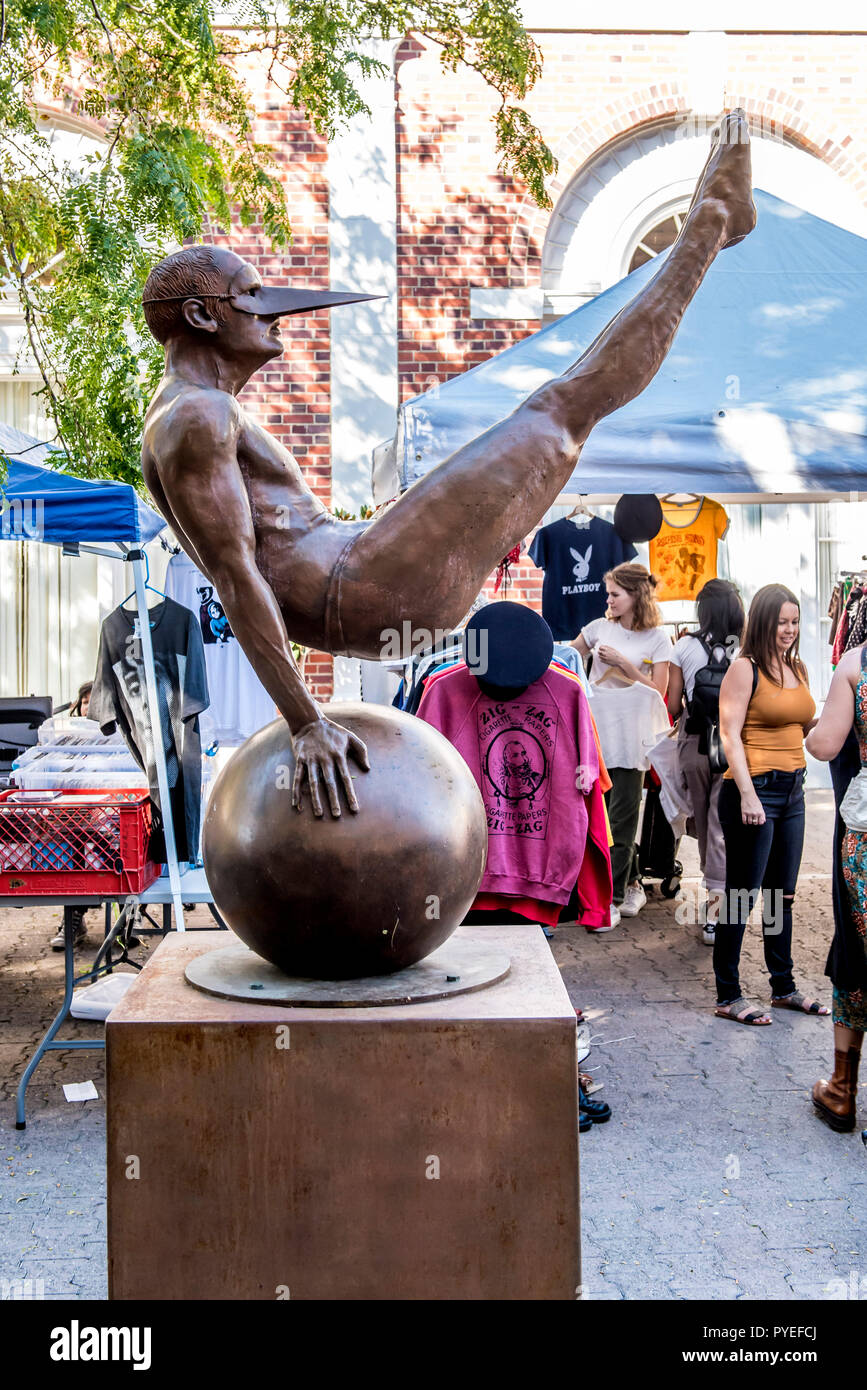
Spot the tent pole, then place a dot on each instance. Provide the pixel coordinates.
(153, 709)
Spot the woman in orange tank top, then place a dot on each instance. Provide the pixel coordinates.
(765, 710)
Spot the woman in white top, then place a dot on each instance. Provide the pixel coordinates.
(631, 652)
(721, 622)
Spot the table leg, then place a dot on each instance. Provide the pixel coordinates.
(48, 1044)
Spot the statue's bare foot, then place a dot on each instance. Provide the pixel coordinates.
(726, 179)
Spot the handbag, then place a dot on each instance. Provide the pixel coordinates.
(716, 757)
(853, 807)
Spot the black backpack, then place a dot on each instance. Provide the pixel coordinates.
(703, 708)
(704, 703)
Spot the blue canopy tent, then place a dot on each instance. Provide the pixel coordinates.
(764, 390)
(65, 509)
(39, 503)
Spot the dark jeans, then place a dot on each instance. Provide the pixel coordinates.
(760, 857)
(624, 807)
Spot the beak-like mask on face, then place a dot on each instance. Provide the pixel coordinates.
(272, 301)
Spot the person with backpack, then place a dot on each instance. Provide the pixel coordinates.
(699, 662)
(765, 710)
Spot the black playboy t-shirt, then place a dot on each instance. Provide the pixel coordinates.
(575, 559)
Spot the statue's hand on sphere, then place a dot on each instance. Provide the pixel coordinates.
(322, 750)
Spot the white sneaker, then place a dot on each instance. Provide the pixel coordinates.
(613, 921)
(634, 901)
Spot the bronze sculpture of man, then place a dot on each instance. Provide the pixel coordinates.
(283, 566)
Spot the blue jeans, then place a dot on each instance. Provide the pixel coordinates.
(760, 858)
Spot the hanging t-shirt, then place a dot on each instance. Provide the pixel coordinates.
(683, 554)
(575, 559)
(118, 700)
(629, 717)
(525, 755)
(240, 704)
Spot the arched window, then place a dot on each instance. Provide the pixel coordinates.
(624, 206)
(660, 236)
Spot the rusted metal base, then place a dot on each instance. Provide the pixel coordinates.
(459, 967)
(422, 1151)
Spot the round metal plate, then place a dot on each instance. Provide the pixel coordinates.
(458, 967)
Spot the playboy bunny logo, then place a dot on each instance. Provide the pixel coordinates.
(582, 568)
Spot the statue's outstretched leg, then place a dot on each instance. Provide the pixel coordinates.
(425, 559)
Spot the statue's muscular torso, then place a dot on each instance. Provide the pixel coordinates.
(297, 541)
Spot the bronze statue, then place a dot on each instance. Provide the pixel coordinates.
(283, 566)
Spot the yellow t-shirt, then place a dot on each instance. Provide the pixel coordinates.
(683, 555)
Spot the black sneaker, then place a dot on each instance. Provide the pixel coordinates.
(596, 1111)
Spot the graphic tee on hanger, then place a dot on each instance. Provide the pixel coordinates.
(683, 555)
(240, 704)
(118, 698)
(575, 559)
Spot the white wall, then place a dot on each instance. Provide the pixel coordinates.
(363, 247)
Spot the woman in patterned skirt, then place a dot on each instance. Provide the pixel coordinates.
(846, 712)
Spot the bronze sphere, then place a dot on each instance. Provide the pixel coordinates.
(362, 894)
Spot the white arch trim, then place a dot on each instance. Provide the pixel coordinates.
(635, 183)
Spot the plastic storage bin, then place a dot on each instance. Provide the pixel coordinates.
(91, 843)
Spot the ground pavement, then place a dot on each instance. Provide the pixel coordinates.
(713, 1179)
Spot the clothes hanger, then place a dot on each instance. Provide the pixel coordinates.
(685, 498)
(149, 588)
(579, 510)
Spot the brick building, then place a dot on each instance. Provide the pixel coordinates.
(411, 204)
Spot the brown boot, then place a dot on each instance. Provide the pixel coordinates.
(835, 1099)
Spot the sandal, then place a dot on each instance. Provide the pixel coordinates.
(742, 1011)
(800, 1003)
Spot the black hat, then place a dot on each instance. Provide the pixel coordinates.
(638, 518)
(507, 646)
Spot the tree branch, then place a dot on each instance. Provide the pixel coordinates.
(93, 6)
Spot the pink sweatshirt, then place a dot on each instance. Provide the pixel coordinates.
(525, 755)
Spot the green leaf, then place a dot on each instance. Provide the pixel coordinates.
(165, 81)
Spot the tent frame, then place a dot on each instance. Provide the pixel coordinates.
(610, 499)
(134, 554)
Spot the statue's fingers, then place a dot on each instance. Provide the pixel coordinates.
(313, 782)
(297, 782)
(358, 749)
(348, 784)
(330, 781)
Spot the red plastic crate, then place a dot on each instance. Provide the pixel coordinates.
(91, 843)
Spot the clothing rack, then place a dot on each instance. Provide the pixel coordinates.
(848, 623)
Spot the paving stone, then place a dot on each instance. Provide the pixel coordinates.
(713, 1179)
(701, 1104)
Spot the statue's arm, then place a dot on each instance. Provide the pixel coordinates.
(204, 487)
